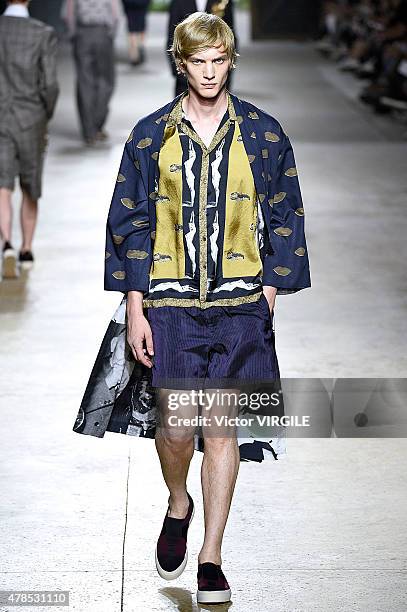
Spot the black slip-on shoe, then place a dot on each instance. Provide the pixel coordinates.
(213, 588)
(171, 553)
(26, 260)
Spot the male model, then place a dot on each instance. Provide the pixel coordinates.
(205, 227)
(177, 12)
(28, 95)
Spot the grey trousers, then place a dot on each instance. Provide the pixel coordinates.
(95, 70)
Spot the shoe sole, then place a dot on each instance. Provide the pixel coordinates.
(177, 572)
(9, 265)
(212, 597)
(26, 265)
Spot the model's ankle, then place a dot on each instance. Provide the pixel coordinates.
(210, 558)
(178, 505)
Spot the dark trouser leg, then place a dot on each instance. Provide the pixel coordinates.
(105, 76)
(86, 89)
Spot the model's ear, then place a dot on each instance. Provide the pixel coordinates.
(181, 67)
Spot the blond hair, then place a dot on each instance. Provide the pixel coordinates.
(198, 32)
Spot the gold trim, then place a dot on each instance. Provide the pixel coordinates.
(175, 115)
(203, 196)
(185, 302)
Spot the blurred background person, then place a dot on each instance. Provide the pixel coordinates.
(178, 11)
(92, 25)
(28, 95)
(136, 11)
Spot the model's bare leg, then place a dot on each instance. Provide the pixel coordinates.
(175, 447)
(134, 50)
(28, 217)
(219, 472)
(136, 44)
(6, 214)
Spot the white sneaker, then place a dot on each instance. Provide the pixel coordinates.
(9, 261)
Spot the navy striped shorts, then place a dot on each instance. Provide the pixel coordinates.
(220, 346)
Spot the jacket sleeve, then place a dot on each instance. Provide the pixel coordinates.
(286, 266)
(49, 88)
(128, 255)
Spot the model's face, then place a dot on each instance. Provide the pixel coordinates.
(207, 71)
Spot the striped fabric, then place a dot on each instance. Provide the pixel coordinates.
(221, 347)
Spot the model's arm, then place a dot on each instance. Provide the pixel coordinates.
(49, 88)
(286, 268)
(128, 255)
(128, 239)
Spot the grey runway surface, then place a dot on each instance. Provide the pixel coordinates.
(324, 529)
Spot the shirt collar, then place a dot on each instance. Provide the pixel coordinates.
(16, 10)
(177, 114)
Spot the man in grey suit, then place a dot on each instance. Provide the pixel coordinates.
(28, 95)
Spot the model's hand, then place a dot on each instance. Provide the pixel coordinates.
(138, 329)
(270, 295)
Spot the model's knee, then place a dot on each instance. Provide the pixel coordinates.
(177, 441)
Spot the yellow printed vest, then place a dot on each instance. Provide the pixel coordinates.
(207, 247)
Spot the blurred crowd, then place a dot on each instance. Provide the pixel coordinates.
(369, 39)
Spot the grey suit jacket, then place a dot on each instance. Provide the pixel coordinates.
(28, 76)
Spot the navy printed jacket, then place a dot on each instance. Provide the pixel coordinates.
(131, 221)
